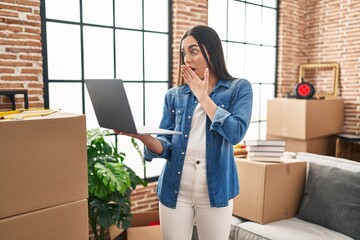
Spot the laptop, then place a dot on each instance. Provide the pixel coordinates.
(112, 108)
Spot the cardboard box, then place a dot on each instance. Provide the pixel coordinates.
(115, 231)
(140, 228)
(43, 162)
(304, 119)
(68, 221)
(321, 145)
(269, 191)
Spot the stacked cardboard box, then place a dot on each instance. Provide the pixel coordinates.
(43, 178)
(269, 191)
(306, 125)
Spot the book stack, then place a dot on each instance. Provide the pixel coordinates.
(265, 150)
(240, 150)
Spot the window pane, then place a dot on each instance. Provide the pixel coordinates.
(270, 3)
(267, 92)
(98, 53)
(253, 131)
(236, 27)
(252, 67)
(263, 130)
(225, 49)
(156, 15)
(156, 57)
(255, 1)
(269, 27)
(129, 55)
(68, 10)
(268, 63)
(98, 12)
(135, 94)
(91, 120)
(235, 61)
(132, 158)
(128, 14)
(253, 23)
(154, 167)
(255, 115)
(154, 101)
(218, 8)
(64, 56)
(65, 96)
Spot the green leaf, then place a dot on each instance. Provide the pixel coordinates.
(135, 179)
(97, 188)
(114, 176)
(105, 213)
(126, 223)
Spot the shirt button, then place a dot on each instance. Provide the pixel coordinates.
(175, 191)
(186, 135)
(179, 172)
(189, 117)
(172, 110)
(222, 105)
(196, 101)
(182, 153)
(197, 162)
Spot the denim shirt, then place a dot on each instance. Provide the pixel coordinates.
(231, 121)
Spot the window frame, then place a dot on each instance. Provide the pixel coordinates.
(261, 121)
(81, 24)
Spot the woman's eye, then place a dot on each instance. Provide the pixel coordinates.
(194, 52)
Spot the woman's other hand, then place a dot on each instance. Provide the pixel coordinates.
(199, 87)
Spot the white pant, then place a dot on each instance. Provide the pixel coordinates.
(193, 207)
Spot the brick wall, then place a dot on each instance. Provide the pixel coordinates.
(335, 37)
(291, 43)
(185, 15)
(144, 198)
(313, 31)
(20, 51)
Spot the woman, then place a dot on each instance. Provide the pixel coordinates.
(212, 110)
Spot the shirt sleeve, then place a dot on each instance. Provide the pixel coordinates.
(167, 146)
(233, 123)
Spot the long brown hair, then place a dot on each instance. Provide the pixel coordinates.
(208, 39)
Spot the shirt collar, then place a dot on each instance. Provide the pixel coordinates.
(222, 83)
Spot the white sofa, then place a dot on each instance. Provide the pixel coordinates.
(330, 208)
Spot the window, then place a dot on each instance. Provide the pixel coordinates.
(248, 30)
(92, 39)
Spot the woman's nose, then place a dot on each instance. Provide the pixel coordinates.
(187, 59)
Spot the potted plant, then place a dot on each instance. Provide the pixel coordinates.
(110, 184)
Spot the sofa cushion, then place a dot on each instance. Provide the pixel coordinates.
(237, 233)
(332, 199)
(291, 228)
